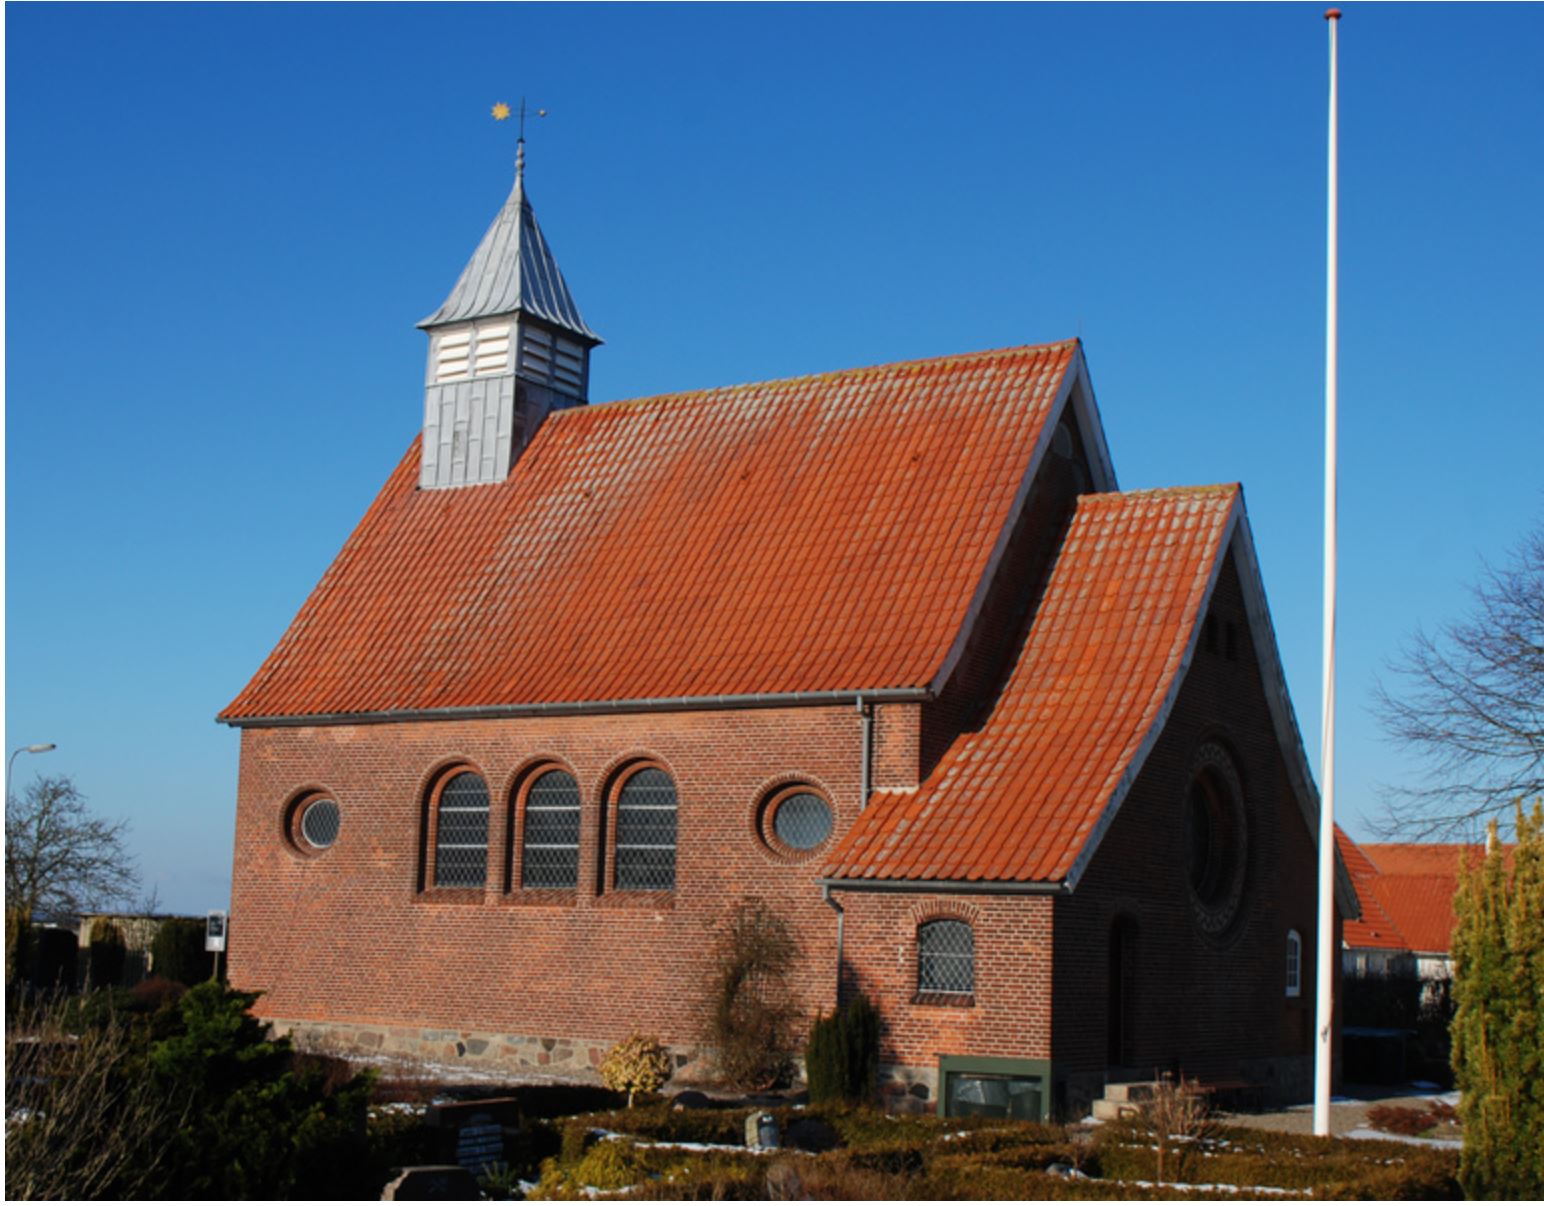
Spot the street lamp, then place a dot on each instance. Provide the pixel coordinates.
(41, 748)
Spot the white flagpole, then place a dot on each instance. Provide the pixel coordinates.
(1324, 1014)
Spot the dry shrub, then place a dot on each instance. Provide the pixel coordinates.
(638, 1064)
(1177, 1112)
(84, 1119)
(831, 1179)
(157, 992)
(751, 1020)
(1411, 1120)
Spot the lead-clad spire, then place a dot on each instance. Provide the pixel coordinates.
(506, 349)
(513, 270)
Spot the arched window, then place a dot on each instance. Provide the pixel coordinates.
(461, 832)
(946, 958)
(1294, 964)
(549, 854)
(646, 831)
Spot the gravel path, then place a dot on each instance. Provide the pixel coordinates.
(1348, 1112)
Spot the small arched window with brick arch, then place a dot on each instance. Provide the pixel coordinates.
(549, 837)
(946, 958)
(645, 810)
(459, 807)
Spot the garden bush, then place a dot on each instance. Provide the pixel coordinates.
(751, 1019)
(638, 1064)
(177, 951)
(841, 1060)
(1498, 1030)
(105, 957)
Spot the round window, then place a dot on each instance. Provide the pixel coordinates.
(1216, 841)
(801, 821)
(319, 824)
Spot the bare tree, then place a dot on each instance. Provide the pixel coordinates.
(1471, 705)
(59, 858)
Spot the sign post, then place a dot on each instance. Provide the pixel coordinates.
(214, 936)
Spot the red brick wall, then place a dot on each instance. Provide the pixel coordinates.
(1010, 1012)
(1208, 1009)
(346, 934)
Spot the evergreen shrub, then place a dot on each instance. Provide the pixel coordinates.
(177, 952)
(1498, 1029)
(841, 1060)
(105, 957)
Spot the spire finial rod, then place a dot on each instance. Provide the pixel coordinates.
(501, 112)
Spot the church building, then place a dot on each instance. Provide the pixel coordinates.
(1008, 748)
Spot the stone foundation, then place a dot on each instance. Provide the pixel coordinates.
(904, 1090)
(565, 1059)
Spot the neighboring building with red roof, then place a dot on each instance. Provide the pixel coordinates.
(1009, 749)
(1407, 890)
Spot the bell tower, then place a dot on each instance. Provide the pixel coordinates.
(506, 348)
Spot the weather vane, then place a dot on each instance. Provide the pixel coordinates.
(501, 112)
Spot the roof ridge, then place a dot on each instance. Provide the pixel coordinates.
(810, 378)
(1215, 489)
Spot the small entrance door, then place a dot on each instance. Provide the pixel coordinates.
(1119, 1009)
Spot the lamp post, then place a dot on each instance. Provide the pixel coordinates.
(41, 748)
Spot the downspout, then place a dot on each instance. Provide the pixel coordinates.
(866, 775)
(841, 919)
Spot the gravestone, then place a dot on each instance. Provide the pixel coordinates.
(431, 1183)
(761, 1131)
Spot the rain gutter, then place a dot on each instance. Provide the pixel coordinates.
(679, 703)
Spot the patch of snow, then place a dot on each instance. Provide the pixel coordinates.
(1366, 1132)
(403, 1107)
(1269, 1191)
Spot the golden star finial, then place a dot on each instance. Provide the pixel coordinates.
(501, 112)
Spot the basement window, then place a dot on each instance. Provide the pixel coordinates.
(986, 1087)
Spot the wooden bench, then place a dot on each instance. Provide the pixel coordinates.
(1234, 1094)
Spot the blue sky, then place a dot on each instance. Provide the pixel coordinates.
(222, 223)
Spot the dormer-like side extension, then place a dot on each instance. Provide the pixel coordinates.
(506, 349)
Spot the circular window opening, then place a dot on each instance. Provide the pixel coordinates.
(797, 821)
(1215, 841)
(319, 824)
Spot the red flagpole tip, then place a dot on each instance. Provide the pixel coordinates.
(1332, 14)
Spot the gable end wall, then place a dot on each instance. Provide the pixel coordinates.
(1210, 1010)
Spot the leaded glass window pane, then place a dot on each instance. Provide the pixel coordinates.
(550, 857)
(461, 838)
(319, 824)
(802, 821)
(946, 957)
(646, 831)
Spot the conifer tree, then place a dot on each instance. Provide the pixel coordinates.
(1498, 1030)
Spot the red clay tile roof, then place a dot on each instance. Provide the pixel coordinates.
(1410, 887)
(1019, 799)
(1377, 929)
(819, 534)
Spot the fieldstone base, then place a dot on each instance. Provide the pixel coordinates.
(564, 1059)
(904, 1090)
